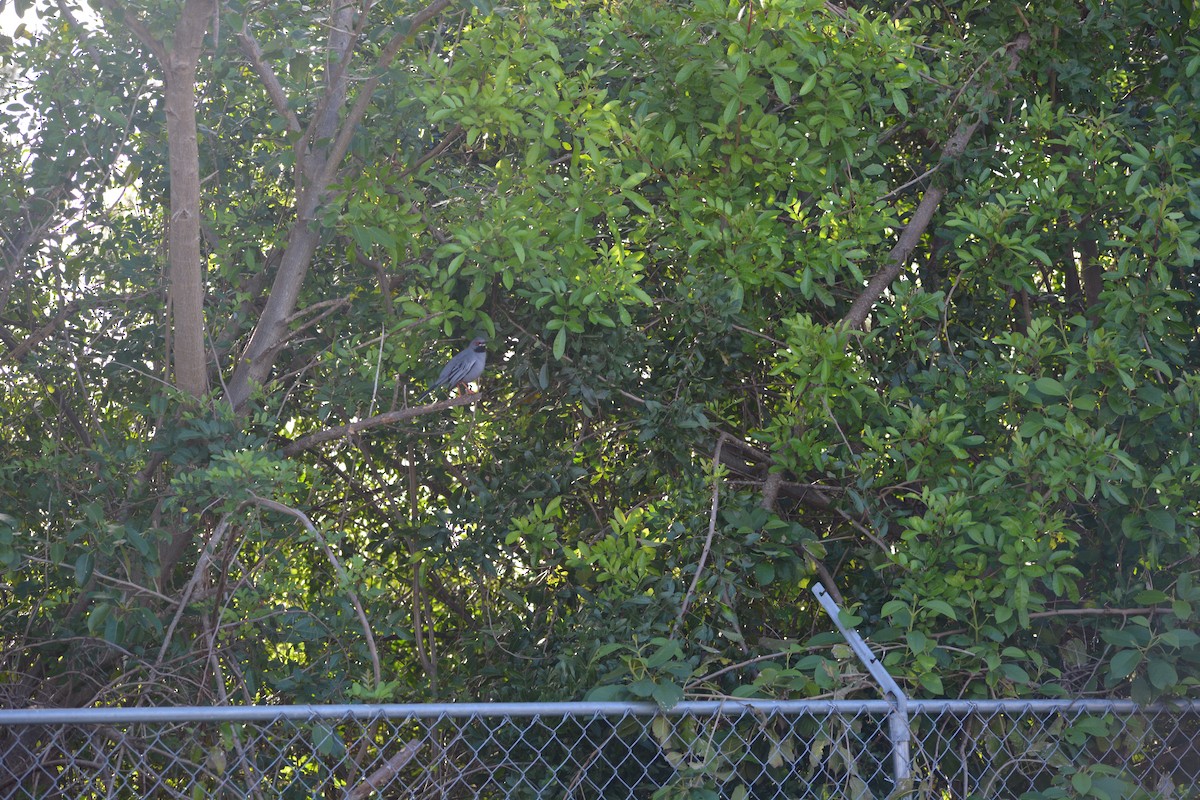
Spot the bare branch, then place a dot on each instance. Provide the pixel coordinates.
(366, 92)
(197, 575)
(1080, 612)
(22, 350)
(136, 588)
(314, 175)
(388, 418)
(434, 152)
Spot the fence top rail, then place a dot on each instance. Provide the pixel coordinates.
(711, 708)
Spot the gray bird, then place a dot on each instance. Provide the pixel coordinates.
(465, 367)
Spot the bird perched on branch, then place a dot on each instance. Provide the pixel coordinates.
(464, 368)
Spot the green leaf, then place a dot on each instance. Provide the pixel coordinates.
(1050, 387)
(560, 343)
(633, 180)
(607, 693)
(1178, 637)
(686, 71)
(84, 566)
(1015, 673)
(1162, 674)
(114, 630)
(642, 203)
(782, 90)
(327, 741)
(1040, 255)
(1124, 663)
(1082, 782)
(667, 694)
(917, 641)
(941, 607)
(932, 683)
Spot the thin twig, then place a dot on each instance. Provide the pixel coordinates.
(378, 367)
(896, 192)
(197, 574)
(433, 153)
(133, 587)
(749, 662)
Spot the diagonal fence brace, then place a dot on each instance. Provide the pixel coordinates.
(898, 731)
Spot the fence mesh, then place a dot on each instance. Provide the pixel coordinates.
(799, 749)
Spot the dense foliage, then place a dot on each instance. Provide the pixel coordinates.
(898, 296)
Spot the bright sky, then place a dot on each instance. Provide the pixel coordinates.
(9, 19)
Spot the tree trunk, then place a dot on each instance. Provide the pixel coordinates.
(179, 59)
(186, 267)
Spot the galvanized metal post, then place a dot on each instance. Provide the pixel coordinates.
(898, 731)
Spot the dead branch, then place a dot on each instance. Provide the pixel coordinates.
(31, 341)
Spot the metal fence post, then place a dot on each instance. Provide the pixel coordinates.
(898, 731)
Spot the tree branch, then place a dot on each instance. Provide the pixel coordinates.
(433, 153)
(197, 575)
(1079, 612)
(22, 350)
(270, 80)
(388, 418)
(386, 771)
(341, 573)
(899, 255)
(139, 29)
(314, 175)
(712, 531)
(366, 92)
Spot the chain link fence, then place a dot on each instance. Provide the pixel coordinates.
(730, 749)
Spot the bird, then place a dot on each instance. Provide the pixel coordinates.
(465, 367)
